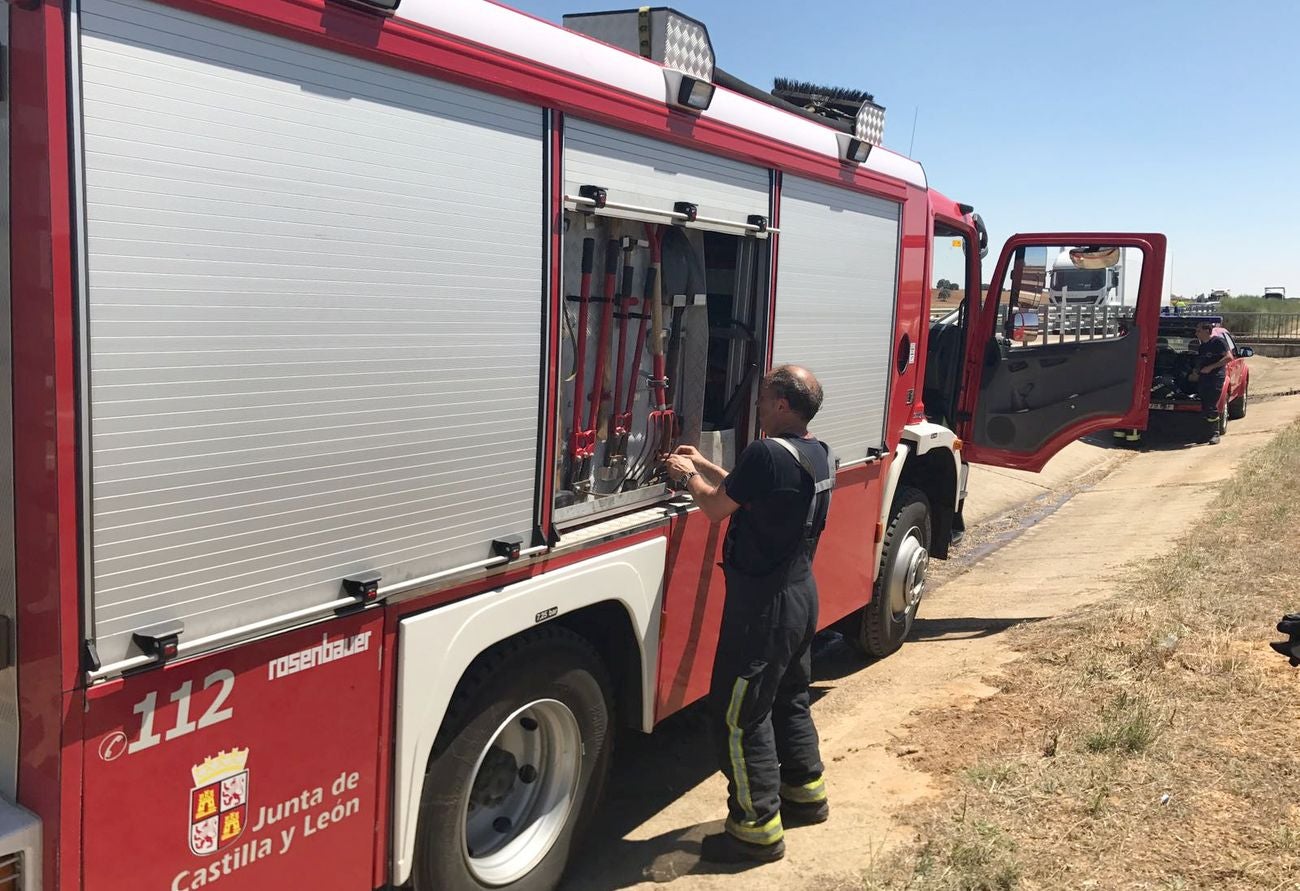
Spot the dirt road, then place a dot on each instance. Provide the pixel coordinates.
(1109, 507)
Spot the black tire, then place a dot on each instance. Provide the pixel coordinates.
(881, 627)
(545, 664)
(1237, 407)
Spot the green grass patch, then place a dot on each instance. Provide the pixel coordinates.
(1259, 304)
(1128, 725)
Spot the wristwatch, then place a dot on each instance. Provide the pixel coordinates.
(685, 481)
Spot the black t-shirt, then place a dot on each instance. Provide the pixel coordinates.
(1210, 352)
(773, 492)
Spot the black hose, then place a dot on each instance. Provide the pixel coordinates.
(736, 85)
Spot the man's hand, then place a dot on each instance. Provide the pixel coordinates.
(712, 473)
(679, 465)
(708, 493)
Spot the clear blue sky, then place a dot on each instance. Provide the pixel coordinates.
(1175, 116)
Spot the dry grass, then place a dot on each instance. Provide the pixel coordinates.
(1146, 742)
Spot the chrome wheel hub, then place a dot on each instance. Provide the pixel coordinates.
(907, 573)
(525, 785)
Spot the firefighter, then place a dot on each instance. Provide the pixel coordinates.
(777, 497)
(1212, 357)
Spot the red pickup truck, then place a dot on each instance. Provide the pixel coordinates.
(1172, 391)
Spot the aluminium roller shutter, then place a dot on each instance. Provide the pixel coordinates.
(314, 307)
(836, 294)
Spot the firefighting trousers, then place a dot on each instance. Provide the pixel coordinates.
(1209, 388)
(759, 702)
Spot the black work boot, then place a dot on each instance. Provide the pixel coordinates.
(723, 847)
(795, 813)
(1290, 625)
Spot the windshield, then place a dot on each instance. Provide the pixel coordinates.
(1079, 279)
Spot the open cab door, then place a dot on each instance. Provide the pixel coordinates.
(1062, 345)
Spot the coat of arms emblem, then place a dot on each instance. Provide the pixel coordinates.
(218, 801)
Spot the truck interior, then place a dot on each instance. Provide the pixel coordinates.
(1176, 349)
(1176, 346)
(1046, 370)
(946, 344)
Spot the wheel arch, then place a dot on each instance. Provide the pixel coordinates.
(437, 647)
(609, 628)
(932, 464)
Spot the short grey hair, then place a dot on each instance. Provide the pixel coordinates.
(798, 387)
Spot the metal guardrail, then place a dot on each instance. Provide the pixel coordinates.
(1262, 325)
(1055, 323)
(1078, 322)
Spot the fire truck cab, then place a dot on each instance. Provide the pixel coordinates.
(342, 341)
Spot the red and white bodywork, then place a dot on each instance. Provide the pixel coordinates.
(288, 379)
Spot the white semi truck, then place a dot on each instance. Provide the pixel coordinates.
(1070, 284)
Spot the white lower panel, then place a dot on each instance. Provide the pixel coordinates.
(435, 649)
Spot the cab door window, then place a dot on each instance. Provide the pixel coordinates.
(1055, 294)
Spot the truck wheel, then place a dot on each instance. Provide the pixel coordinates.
(1237, 407)
(887, 619)
(517, 768)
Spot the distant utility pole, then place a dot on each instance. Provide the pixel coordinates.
(911, 142)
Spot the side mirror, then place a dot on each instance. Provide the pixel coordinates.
(983, 234)
(1244, 352)
(1024, 326)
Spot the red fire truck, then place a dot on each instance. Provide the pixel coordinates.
(342, 342)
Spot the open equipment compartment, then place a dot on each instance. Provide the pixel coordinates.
(665, 312)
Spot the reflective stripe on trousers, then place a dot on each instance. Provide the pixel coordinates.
(736, 749)
(807, 793)
(759, 702)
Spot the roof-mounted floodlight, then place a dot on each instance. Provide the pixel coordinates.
(852, 149)
(687, 91)
(869, 123)
(678, 42)
(868, 131)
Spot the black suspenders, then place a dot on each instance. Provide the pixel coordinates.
(819, 485)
